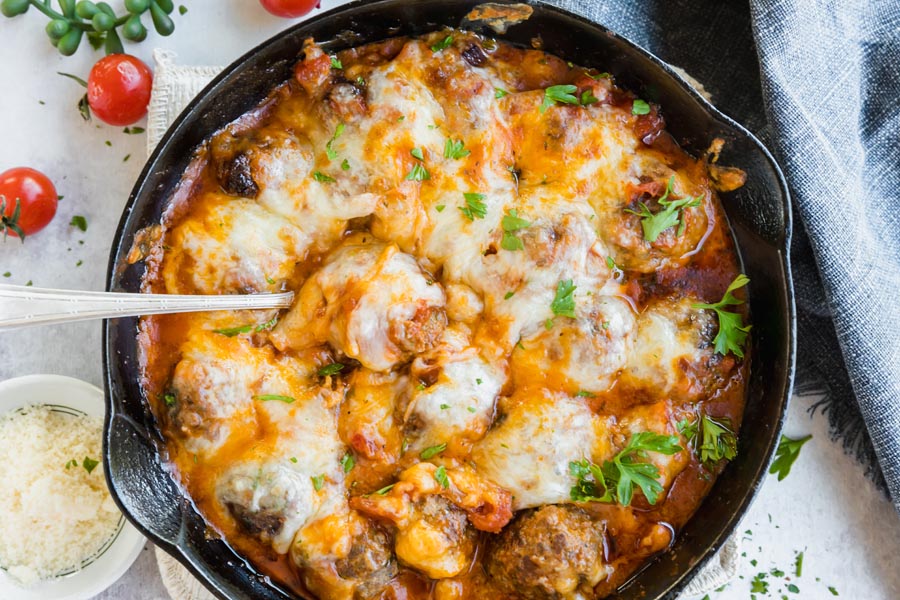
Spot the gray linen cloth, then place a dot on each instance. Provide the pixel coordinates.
(819, 82)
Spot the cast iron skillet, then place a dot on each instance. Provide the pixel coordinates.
(759, 213)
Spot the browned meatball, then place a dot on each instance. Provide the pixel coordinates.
(370, 562)
(548, 553)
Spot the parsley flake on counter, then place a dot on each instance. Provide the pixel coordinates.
(443, 44)
(71, 463)
(432, 451)
(318, 482)
(133, 130)
(79, 262)
(732, 335)
(329, 147)
(475, 206)
(418, 173)
(564, 301)
(787, 453)
(441, 477)
(833, 591)
(671, 215)
(798, 564)
(559, 93)
(336, 63)
(759, 585)
(323, 178)
(640, 107)
(348, 462)
(275, 397)
(332, 369)
(79, 222)
(89, 464)
(7, 274)
(455, 149)
(711, 438)
(512, 223)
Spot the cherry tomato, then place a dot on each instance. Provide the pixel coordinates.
(119, 89)
(289, 8)
(27, 201)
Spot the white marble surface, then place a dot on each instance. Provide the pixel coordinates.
(849, 533)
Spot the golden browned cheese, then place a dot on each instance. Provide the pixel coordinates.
(478, 307)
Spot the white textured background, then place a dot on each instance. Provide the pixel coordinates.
(826, 508)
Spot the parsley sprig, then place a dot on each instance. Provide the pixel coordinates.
(565, 94)
(712, 439)
(732, 335)
(455, 149)
(564, 300)
(787, 453)
(512, 223)
(671, 215)
(616, 479)
(475, 206)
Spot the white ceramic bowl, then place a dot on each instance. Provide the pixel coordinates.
(101, 570)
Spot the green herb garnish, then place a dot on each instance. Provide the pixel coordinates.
(559, 93)
(323, 178)
(417, 153)
(639, 107)
(440, 475)
(318, 482)
(418, 173)
(564, 301)
(443, 44)
(732, 335)
(498, 93)
(348, 462)
(332, 369)
(432, 451)
(89, 464)
(455, 149)
(336, 63)
(475, 206)
(787, 453)
(329, 147)
(276, 397)
(512, 223)
(671, 215)
(712, 439)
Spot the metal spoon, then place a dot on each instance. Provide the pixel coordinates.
(25, 306)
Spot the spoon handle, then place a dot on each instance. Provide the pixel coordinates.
(24, 306)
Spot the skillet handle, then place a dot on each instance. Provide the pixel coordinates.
(25, 306)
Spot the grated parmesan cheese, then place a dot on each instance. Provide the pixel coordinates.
(54, 513)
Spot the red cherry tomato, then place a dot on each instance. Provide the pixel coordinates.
(27, 201)
(119, 89)
(289, 8)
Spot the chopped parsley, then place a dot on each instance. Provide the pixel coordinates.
(440, 207)
(293, 459)
(640, 107)
(617, 478)
(499, 93)
(759, 585)
(418, 173)
(671, 215)
(588, 97)
(798, 564)
(445, 406)
(345, 165)
(79, 222)
(71, 463)
(455, 149)
(323, 178)
(276, 397)
(475, 206)
(417, 153)
(336, 63)
(512, 223)
(89, 464)
(559, 93)
(133, 130)
(169, 399)
(233, 331)
(787, 453)
(471, 409)
(329, 147)
(732, 335)
(348, 462)
(508, 295)
(432, 451)
(318, 482)
(332, 369)
(564, 301)
(440, 475)
(443, 44)
(384, 490)
(584, 394)
(712, 439)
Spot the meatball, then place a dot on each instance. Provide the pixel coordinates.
(552, 552)
(370, 562)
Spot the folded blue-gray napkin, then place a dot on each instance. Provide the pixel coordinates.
(819, 82)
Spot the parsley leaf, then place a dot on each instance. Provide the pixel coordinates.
(233, 331)
(336, 63)
(329, 147)
(318, 482)
(455, 149)
(345, 165)
(441, 477)
(418, 173)
(640, 107)
(348, 462)
(787, 453)
(89, 464)
(432, 451)
(588, 97)
(671, 215)
(511, 223)
(627, 471)
(732, 335)
(499, 93)
(79, 222)
(443, 44)
(332, 369)
(589, 490)
(564, 301)
(323, 178)
(278, 397)
(712, 439)
(169, 399)
(384, 490)
(475, 206)
(559, 93)
(417, 153)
